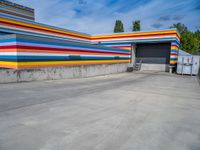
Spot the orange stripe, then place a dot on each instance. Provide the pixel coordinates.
(8, 50)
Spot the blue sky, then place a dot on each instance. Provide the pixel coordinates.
(98, 16)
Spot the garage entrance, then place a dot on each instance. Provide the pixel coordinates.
(153, 53)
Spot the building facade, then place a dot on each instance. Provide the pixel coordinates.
(26, 44)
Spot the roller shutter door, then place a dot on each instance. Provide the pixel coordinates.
(153, 53)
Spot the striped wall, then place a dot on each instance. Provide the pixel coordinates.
(18, 51)
(174, 53)
(20, 26)
(18, 11)
(150, 36)
(41, 45)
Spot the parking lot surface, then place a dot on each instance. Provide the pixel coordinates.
(128, 111)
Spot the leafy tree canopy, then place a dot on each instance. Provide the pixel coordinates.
(136, 25)
(118, 26)
(190, 41)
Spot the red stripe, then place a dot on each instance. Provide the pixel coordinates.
(174, 45)
(58, 49)
(173, 54)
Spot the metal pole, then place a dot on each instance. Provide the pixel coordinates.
(191, 66)
(182, 66)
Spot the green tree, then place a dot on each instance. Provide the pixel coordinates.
(181, 28)
(118, 26)
(136, 25)
(190, 41)
(197, 36)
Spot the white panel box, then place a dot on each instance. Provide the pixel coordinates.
(188, 65)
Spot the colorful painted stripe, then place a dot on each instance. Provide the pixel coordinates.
(174, 53)
(16, 14)
(19, 12)
(45, 52)
(25, 58)
(26, 65)
(43, 29)
(39, 45)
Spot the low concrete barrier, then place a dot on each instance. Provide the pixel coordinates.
(53, 73)
(155, 67)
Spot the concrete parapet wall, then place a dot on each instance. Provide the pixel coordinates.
(53, 73)
(154, 67)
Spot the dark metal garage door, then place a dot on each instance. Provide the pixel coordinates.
(153, 53)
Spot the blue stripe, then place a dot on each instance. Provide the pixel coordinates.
(3, 33)
(173, 58)
(174, 51)
(8, 40)
(48, 58)
(176, 42)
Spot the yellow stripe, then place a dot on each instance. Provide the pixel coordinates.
(173, 61)
(174, 47)
(58, 63)
(10, 64)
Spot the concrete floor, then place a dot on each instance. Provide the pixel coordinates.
(129, 111)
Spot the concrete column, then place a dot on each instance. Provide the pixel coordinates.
(173, 55)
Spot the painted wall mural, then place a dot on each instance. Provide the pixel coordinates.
(19, 51)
